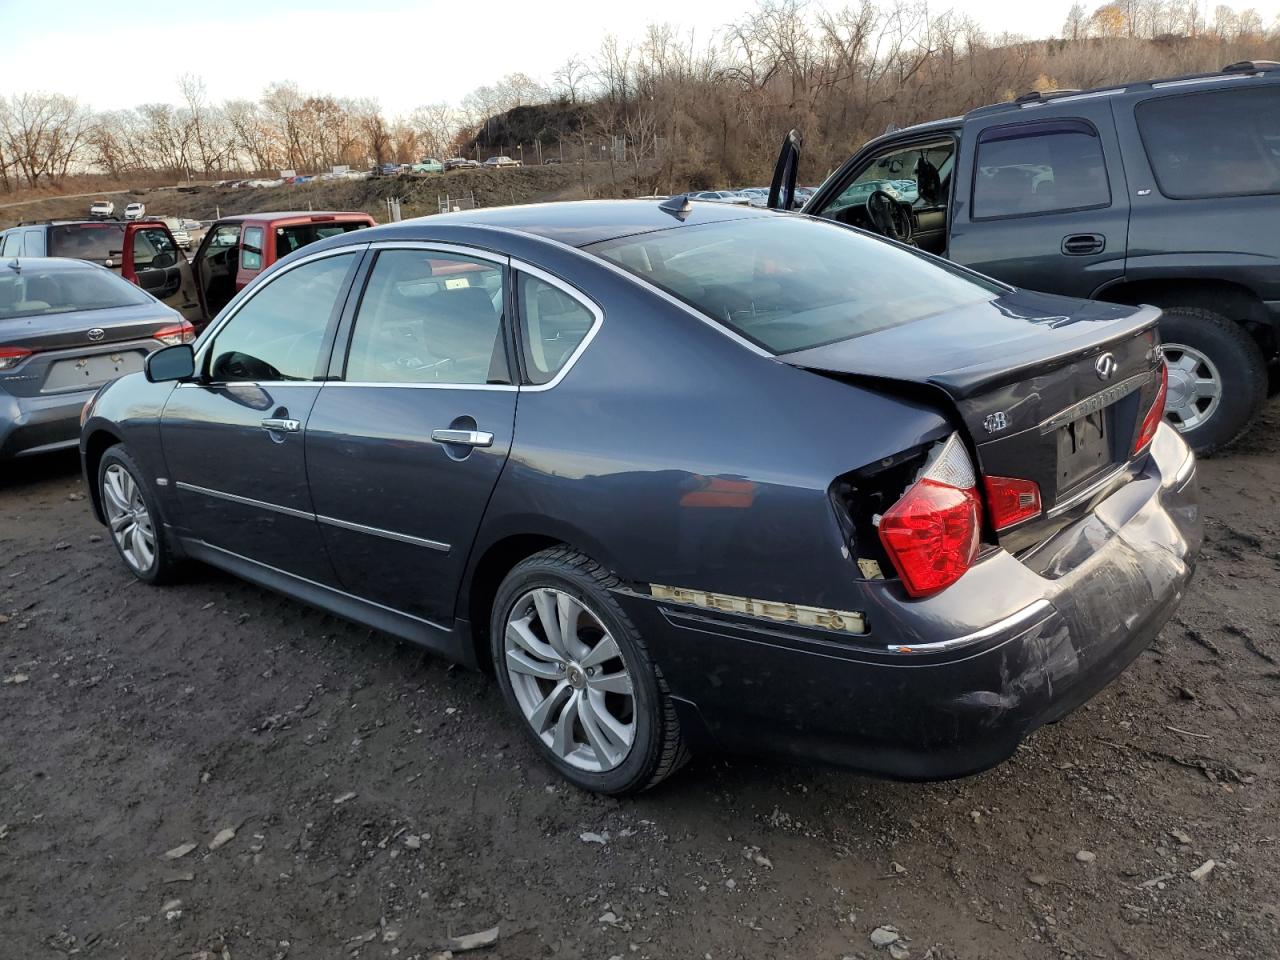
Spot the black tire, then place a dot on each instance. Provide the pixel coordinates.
(165, 564)
(658, 749)
(1240, 364)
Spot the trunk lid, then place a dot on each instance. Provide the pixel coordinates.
(1048, 389)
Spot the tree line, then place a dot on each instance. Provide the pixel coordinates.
(694, 111)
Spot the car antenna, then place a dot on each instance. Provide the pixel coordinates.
(678, 206)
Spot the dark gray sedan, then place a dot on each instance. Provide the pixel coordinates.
(66, 328)
(679, 474)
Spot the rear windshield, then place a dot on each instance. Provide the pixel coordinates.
(1221, 143)
(790, 283)
(35, 292)
(98, 242)
(292, 238)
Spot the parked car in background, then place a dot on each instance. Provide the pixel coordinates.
(177, 227)
(385, 170)
(101, 209)
(577, 496)
(143, 252)
(502, 162)
(66, 328)
(236, 249)
(719, 196)
(460, 163)
(135, 210)
(427, 165)
(1163, 191)
(551, 161)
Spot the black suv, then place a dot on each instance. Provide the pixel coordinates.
(1164, 192)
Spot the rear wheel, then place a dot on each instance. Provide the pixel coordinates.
(576, 671)
(1217, 377)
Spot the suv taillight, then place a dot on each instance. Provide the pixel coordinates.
(1151, 421)
(12, 356)
(182, 332)
(931, 533)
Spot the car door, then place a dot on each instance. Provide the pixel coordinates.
(1042, 203)
(153, 261)
(234, 440)
(215, 265)
(404, 449)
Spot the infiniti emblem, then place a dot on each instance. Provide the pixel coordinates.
(1105, 366)
(96, 334)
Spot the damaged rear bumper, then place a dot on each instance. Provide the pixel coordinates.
(949, 685)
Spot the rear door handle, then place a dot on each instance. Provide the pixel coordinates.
(281, 425)
(1082, 244)
(465, 438)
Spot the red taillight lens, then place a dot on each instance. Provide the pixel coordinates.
(12, 356)
(931, 534)
(1151, 421)
(1011, 500)
(182, 332)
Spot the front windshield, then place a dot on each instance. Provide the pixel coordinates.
(791, 283)
(34, 292)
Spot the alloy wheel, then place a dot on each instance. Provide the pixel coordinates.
(570, 679)
(128, 518)
(1195, 386)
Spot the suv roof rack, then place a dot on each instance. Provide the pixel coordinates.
(1039, 96)
(1251, 66)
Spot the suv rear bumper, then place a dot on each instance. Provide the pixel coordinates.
(963, 703)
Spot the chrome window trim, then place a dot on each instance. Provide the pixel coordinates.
(388, 534)
(308, 515)
(641, 282)
(578, 297)
(1192, 81)
(1030, 615)
(245, 501)
(510, 387)
(457, 249)
(253, 383)
(215, 326)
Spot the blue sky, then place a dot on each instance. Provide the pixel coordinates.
(402, 53)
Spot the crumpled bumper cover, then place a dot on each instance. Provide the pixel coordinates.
(1105, 587)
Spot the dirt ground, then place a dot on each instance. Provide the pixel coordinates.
(382, 802)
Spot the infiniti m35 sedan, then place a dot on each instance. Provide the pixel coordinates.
(678, 474)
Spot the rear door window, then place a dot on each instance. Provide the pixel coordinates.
(1048, 166)
(553, 323)
(1220, 143)
(251, 249)
(33, 243)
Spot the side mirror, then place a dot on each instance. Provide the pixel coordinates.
(170, 363)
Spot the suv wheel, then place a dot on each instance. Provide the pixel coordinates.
(1217, 377)
(576, 672)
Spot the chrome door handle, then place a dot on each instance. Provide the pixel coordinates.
(281, 424)
(466, 438)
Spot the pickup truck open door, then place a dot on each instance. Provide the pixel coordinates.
(152, 259)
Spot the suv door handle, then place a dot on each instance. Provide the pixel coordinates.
(281, 424)
(465, 438)
(1082, 244)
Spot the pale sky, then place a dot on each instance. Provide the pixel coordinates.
(113, 54)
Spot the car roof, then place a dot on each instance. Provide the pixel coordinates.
(291, 215)
(582, 222)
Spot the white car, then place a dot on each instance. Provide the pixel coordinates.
(102, 208)
(135, 211)
(180, 235)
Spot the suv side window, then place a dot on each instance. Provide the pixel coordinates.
(552, 325)
(251, 249)
(1047, 166)
(1220, 143)
(281, 331)
(33, 243)
(12, 244)
(428, 317)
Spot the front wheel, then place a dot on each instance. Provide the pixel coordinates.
(1217, 377)
(576, 671)
(130, 511)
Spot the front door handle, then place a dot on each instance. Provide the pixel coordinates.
(281, 425)
(465, 438)
(1083, 244)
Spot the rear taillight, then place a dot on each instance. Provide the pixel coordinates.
(182, 332)
(12, 356)
(1151, 421)
(1011, 500)
(931, 533)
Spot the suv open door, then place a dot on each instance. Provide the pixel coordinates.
(152, 260)
(782, 191)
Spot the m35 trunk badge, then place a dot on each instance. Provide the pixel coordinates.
(995, 422)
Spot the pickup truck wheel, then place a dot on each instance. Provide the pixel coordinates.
(1217, 377)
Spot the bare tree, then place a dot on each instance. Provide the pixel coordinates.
(570, 76)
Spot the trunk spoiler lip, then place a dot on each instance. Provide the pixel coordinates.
(962, 382)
